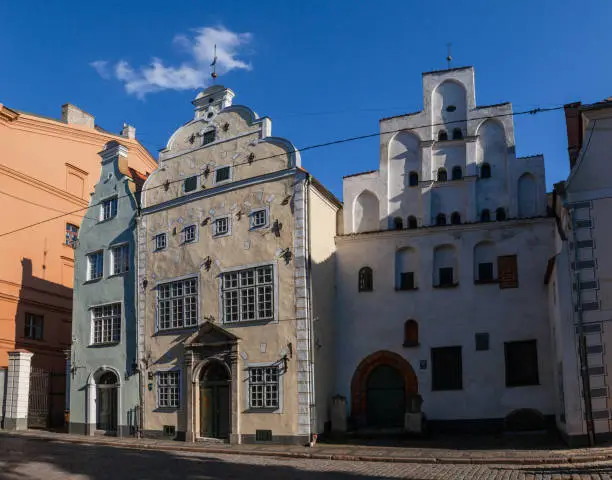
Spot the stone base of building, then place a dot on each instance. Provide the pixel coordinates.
(277, 439)
(581, 441)
(12, 424)
(87, 429)
(480, 425)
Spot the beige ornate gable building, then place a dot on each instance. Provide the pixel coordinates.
(235, 281)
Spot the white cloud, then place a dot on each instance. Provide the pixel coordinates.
(194, 73)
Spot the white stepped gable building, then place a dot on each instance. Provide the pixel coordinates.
(440, 269)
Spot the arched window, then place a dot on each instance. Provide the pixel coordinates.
(457, 134)
(413, 179)
(445, 272)
(406, 269)
(412, 221)
(440, 219)
(455, 218)
(484, 262)
(442, 176)
(485, 171)
(485, 215)
(500, 214)
(398, 223)
(411, 333)
(442, 135)
(366, 280)
(457, 173)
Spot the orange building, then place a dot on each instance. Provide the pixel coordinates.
(48, 168)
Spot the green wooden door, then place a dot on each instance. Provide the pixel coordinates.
(214, 410)
(386, 398)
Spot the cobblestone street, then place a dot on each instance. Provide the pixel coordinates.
(23, 458)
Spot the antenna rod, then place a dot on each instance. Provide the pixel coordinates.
(449, 58)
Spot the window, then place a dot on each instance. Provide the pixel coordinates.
(411, 333)
(168, 389)
(507, 269)
(440, 219)
(500, 214)
(161, 240)
(248, 294)
(366, 280)
(189, 234)
(413, 179)
(95, 265)
(485, 215)
(222, 174)
(521, 363)
(485, 171)
(456, 218)
(72, 234)
(457, 173)
(442, 135)
(190, 184)
(485, 272)
(33, 326)
(109, 208)
(259, 218)
(446, 276)
(482, 341)
(177, 304)
(398, 223)
(106, 324)
(412, 222)
(407, 281)
(120, 259)
(221, 226)
(442, 176)
(446, 368)
(457, 134)
(209, 137)
(263, 387)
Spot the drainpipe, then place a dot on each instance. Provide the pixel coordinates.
(582, 351)
(140, 361)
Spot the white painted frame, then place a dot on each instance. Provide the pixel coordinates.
(214, 226)
(91, 398)
(229, 179)
(121, 324)
(165, 235)
(252, 213)
(180, 388)
(281, 389)
(111, 257)
(101, 204)
(198, 313)
(196, 238)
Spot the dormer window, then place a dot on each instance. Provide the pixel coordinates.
(209, 137)
(442, 135)
(457, 134)
(442, 175)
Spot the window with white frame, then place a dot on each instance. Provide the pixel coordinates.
(95, 265)
(120, 259)
(178, 304)
(161, 240)
(189, 234)
(108, 208)
(264, 387)
(221, 226)
(168, 389)
(259, 218)
(106, 321)
(222, 174)
(248, 294)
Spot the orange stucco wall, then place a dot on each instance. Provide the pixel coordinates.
(47, 168)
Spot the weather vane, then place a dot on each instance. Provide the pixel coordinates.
(214, 65)
(449, 58)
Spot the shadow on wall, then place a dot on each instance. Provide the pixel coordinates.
(95, 462)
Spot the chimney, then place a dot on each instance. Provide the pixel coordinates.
(128, 131)
(573, 123)
(73, 115)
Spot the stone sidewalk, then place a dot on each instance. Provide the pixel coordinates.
(491, 450)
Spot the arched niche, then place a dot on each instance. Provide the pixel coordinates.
(527, 196)
(449, 105)
(366, 213)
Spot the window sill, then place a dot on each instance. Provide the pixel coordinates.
(405, 289)
(34, 339)
(176, 330)
(447, 389)
(105, 344)
(95, 280)
(166, 409)
(485, 282)
(221, 235)
(107, 219)
(258, 227)
(411, 344)
(450, 285)
(155, 250)
(262, 410)
(248, 323)
(120, 274)
(523, 385)
(71, 247)
(365, 291)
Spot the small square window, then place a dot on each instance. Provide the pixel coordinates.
(446, 276)
(208, 137)
(33, 326)
(485, 271)
(72, 234)
(189, 234)
(160, 241)
(482, 341)
(407, 281)
(222, 174)
(108, 208)
(221, 226)
(190, 184)
(259, 218)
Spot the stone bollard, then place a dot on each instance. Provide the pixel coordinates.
(338, 414)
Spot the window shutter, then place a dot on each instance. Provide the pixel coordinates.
(507, 271)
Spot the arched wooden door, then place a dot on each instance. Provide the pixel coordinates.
(385, 397)
(215, 401)
(106, 414)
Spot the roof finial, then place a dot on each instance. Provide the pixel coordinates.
(449, 58)
(214, 65)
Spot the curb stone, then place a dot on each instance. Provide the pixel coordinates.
(460, 460)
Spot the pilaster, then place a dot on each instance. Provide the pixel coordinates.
(18, 390)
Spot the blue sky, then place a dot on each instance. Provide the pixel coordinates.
(322, 70)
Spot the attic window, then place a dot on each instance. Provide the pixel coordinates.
(451, 108)
(208, 137)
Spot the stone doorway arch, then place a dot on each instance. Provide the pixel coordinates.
(360, 382)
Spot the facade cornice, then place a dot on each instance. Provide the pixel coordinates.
(9, 172)
(34, 303)
(436, 230)
(8, 115)
(38, 290)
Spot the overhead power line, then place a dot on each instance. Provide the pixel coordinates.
(310, 147)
